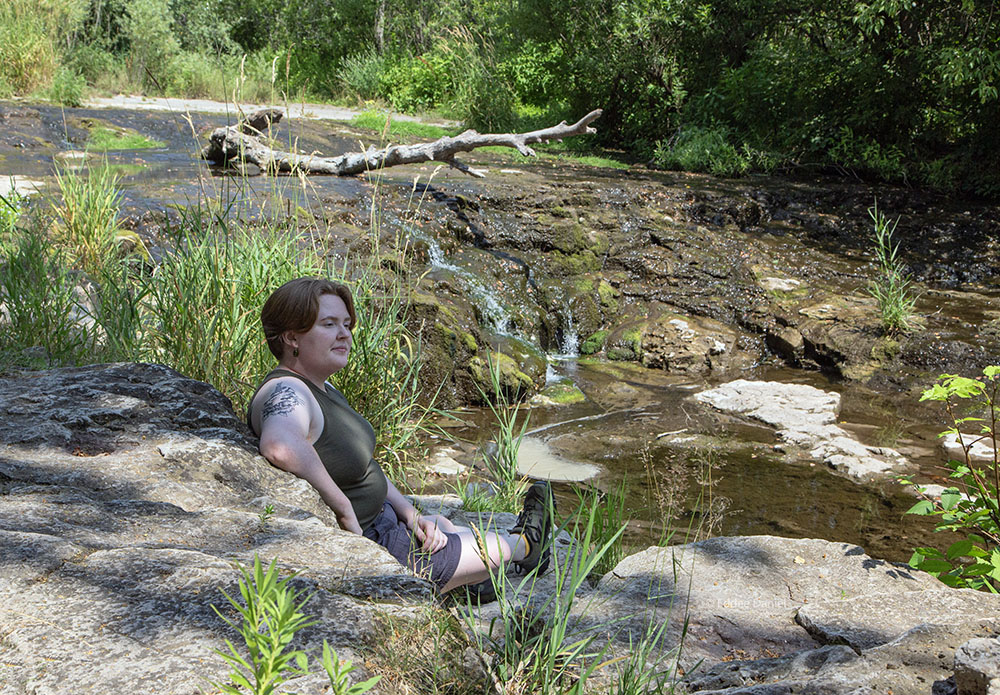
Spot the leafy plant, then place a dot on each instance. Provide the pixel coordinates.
(338, 672)
(265, 516)
(67, 87)
(362, 73)
(970, 506)
(702, 149)
(892, 286)
(270, 615)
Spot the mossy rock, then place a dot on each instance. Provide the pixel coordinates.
(580, 263)
(885, 349)
(608, 296)
(530, 360)
(625, 342)
(470, 342)
(622, 354)
(564, 392)
(513, 381)
(594, 343)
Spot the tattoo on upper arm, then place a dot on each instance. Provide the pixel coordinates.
(281, 402)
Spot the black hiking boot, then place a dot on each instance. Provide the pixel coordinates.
(535, 523)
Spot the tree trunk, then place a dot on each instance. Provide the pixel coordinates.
(242, 143)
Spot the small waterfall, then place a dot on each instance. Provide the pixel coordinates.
(570, 339)
(493, 311)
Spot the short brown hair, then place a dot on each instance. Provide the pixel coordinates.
(294, 306)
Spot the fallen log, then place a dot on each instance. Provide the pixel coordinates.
(242, 143)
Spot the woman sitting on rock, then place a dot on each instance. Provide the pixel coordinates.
(307, 427)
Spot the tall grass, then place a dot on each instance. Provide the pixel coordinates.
(892, 286)
(501, 464)
(30, 33)
(540, 643)
(74, 295)
(40, 307)
(88, 216)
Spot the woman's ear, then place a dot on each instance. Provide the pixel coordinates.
(290, 340)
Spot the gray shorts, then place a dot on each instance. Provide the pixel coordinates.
(393, 535)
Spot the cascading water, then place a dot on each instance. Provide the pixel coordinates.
(493, 311)
(570, 339)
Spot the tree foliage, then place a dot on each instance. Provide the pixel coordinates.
(890, 89)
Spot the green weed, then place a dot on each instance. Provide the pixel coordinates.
(270, 616)
(892, 286)
(388, 127)
(501, 464)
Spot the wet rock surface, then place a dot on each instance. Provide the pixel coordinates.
(679, 272)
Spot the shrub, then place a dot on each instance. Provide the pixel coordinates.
(969, 507)
(67, 87)
(152, 42)
(362, 73)
(702, 149)
(194, 75)
(90, 61)
(28, 58)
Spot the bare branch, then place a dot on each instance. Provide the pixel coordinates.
(241, 144)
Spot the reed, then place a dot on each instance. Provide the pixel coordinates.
(892, 286)
(75, 295)
(501, 463)
(40, 308)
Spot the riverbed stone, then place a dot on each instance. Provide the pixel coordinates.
(863, 622)
(686, 345)
(804, 417)
(977, 667)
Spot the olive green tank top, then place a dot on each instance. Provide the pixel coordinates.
(345, 446)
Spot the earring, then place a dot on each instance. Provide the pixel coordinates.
(295, 352)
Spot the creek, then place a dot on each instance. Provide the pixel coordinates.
(694, 280)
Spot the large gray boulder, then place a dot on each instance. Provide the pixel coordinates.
(127, 493)
(774, 615)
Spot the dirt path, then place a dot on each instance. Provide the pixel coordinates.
(295, 110)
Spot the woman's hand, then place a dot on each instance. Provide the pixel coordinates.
(431, 537)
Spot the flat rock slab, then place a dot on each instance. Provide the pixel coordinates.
(740, 595)
(805, 417)
(867, 621)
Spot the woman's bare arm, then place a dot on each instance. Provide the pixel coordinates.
(285, 416)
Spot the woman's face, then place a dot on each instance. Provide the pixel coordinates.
(324, 348)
